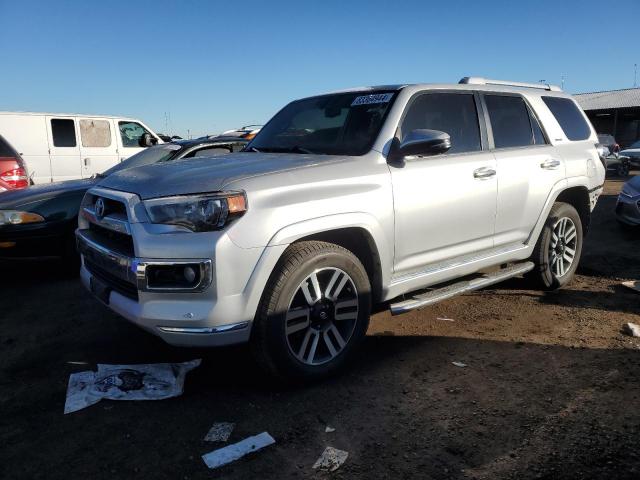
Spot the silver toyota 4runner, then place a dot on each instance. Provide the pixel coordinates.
(341, 201)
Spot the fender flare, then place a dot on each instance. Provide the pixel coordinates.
(555, 192)
(293, 232)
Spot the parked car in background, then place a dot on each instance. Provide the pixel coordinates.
(609, 141)
(628, 205)
(40, 221)
(609, 151)
(632, 153)
(618, 164)
(13, 171)
(341, 201)
(248, 131)
(59, 147)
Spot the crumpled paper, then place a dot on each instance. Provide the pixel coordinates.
(126, 382)
(331, 459)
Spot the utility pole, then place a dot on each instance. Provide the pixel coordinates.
(635, 75)
(562, 82)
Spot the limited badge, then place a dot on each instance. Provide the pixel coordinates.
(374, 98)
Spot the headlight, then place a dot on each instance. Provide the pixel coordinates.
(14, 217)
(199, 213)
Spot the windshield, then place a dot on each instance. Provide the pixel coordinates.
(337, 124)
(158, 153)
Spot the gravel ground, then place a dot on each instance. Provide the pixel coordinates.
(551, 388)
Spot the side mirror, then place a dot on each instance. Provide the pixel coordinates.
(147, 140)
(421, 142)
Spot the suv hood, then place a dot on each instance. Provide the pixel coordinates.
(203, 175)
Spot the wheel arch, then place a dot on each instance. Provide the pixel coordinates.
(578, 197)
(361, 243)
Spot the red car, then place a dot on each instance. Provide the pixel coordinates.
(13, 171)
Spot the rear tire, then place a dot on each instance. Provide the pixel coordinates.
(314, 312)
(557, 252)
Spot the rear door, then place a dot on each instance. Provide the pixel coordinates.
(528, 167)
(98, 147)
(64, 148)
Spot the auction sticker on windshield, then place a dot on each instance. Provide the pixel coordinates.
(369, 99)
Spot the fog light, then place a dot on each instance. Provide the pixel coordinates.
(189, 274)
(173, 276)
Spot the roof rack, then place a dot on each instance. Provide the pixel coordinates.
(487, 81)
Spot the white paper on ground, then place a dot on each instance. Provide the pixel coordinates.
(635, 286)
(233, 452)
(331, 459)
(219, 432)
(127, 382)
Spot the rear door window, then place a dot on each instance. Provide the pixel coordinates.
(95, 133)
(569, 117)
(452, 113)
(63, 132)
(510, 121)
(538, 135)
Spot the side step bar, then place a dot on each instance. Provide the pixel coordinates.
(465, 286)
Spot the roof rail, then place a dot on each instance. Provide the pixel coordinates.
(487, 81)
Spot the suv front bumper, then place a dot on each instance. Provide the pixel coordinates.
(184, 317)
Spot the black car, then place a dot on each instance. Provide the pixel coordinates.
(40, 221)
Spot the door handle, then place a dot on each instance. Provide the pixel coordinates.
(87, 162)
(484, 172)
(551, 164)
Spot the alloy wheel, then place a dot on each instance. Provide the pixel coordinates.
(562, 248)
(322, 316)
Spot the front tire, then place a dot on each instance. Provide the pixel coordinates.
(557, 252)
(314, 312)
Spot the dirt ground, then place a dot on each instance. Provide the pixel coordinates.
(551, 388)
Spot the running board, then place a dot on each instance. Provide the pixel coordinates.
(449, 291)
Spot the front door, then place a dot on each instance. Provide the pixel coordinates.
(129, 138)
(98, 147)
(64, 150)
(528, 166)
(445, 205)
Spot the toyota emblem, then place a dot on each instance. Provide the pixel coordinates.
(99, 208)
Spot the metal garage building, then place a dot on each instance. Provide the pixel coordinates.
(615, 111)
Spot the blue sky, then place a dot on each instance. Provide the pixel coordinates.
(217, 65)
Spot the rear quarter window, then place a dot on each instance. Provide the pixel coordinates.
(569, 117)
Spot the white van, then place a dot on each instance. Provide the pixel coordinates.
(68, 146)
